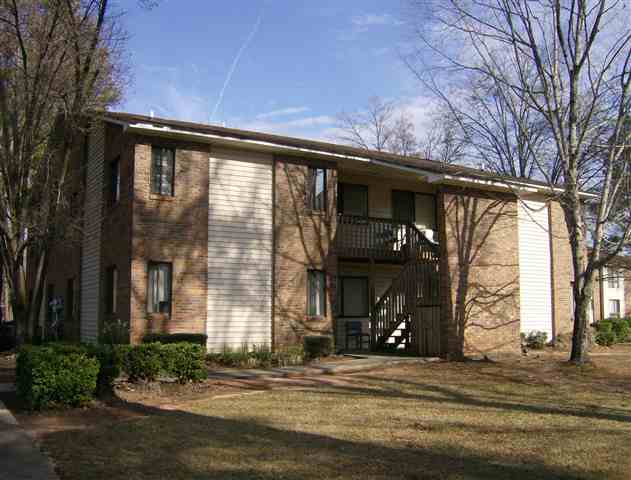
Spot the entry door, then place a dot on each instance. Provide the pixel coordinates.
(403, 206)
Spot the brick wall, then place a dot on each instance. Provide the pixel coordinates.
(116, 226)
(65, 258)
(479, 272)
(171, 229)
(302, 241)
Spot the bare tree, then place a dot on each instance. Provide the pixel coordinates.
(443, 141)
(370, 128)
(60, 62)
(566, 66)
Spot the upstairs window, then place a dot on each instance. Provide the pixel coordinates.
(353, 199)
(110, 289)
(162, 171)
(316, 290)
(316, 189)
(115, 181)
(159, 288)
(613, 278)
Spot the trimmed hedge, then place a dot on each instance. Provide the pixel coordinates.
(317, 346)
(612, 330)
(196, 338)
(47, 376)
(185, 361)
(536, 340)
(142, 362)
(67, 374)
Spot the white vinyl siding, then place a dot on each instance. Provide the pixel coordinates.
(534, 267)
(613, 289)
(91, 243)
(239, 249)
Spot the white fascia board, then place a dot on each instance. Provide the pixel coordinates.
(259, 145)
(511, 185)
(430, 177)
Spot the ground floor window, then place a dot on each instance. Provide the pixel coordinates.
(159, 288)
(353, 297)
(316, 290)
(614, 308)
(111, 290)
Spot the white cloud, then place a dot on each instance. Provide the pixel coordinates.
(304, 127)
(374, 19)
(283, 112)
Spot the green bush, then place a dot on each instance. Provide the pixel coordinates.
(317, 346)
(621, 327)
(110, 358)
(289, 356)
(185, 361)
(197, 338)
(259, 356)
(142, 362)
(48, 376)
(536, 340)
(605, 335)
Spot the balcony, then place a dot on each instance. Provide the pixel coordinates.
(381, 240)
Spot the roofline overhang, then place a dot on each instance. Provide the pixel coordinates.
(515, 186)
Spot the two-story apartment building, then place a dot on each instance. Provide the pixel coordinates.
(262, 239)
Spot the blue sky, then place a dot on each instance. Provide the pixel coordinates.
(304, 62)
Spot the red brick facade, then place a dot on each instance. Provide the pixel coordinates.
(303, 241)
(477, 234)
(479, 272)
(174, 230)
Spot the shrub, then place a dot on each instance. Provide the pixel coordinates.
(317, 346)
(114, 332)
(536, 340)
(110, 358)
(142, 362)
(257, 357)
(289, 356)
(229, 357)
(196, 338)
(621, 328)
(605, 334)
(185, 361)
(262, 356)
(48, 376)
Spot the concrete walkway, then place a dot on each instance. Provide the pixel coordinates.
(20, 458)
(359, 363)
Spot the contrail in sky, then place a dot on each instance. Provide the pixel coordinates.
(235, 62)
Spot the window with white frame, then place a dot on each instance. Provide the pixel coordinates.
(316, 291)
(614, 307)
(159, 288)
(613, 278)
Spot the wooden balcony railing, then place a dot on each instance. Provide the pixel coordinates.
(381, 239)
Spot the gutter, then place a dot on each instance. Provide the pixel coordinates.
(431, 177)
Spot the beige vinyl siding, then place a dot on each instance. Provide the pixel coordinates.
(91, 243)
(534, 267)
(239, 249)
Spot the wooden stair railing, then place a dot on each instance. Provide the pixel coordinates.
(418, 280)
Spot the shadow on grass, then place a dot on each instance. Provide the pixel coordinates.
(178, 444)
(455, 396)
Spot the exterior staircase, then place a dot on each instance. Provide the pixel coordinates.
(407, 316)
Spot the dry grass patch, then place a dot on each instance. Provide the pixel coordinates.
(526, 418)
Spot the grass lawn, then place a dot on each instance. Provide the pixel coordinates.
(522, 418)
